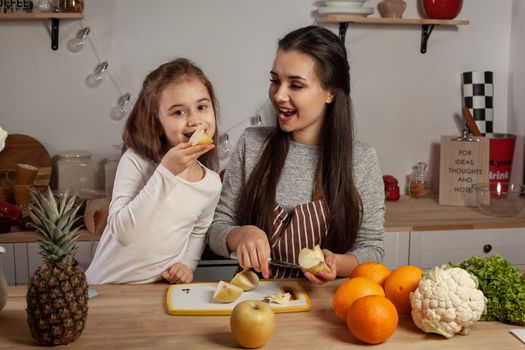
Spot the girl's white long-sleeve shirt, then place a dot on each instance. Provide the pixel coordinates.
(155, 220)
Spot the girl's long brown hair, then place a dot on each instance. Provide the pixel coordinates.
(143, 131)
(257, 202)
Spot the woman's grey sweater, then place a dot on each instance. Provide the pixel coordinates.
(296, 187)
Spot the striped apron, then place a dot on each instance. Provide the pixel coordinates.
(305, 227)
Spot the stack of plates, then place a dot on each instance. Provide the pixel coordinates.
(349, 7)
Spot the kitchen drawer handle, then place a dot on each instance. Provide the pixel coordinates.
(487, 248)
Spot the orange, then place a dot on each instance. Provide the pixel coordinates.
(398, 286)
(351, 290)
(372, 319)
(377, 272)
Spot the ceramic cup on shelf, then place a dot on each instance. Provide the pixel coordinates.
(24, 174)
(441, 9)
(392, 8)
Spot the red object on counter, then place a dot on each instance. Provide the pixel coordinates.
(10, 211)
(391, 188)
(442, 9)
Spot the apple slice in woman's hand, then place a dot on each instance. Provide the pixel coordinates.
(312, 260)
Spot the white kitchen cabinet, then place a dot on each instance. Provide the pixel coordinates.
(21, 265)
(8, 262)
(433, 248)
(396, 249)
(27, 258)
(84, 255)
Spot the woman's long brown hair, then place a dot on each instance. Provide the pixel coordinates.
(143, 131)
(257, 202)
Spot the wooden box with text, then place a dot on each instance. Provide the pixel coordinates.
(464, 161)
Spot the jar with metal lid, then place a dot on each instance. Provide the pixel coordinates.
(420, 185)
(70, 5)
(75, 170)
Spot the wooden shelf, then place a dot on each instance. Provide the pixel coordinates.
(47, 15)
(55, 18)
(381, 20)
(427, 25)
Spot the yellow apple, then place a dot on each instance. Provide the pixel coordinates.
(312, 260)
(226, 292)
(246, 279)
(200, 137)
(252, 323)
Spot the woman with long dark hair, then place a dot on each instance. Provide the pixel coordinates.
(306, 181)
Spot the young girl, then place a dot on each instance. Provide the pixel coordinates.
(306, 181)
(163, 197)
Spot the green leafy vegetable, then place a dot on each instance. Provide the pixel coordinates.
(502, 285)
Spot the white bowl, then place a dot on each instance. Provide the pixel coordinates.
(355, 11)
(345, 3)
(500, 198)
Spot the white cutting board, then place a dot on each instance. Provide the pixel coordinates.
(196, 298)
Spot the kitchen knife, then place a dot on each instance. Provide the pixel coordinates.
(273, 262)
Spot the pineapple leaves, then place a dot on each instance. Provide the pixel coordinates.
(58, 241)
(66, 205)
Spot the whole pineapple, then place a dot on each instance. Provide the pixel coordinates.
(57, 294)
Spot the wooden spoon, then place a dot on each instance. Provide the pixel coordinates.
(471, 123)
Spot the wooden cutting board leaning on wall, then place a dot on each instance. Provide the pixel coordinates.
(23, 149)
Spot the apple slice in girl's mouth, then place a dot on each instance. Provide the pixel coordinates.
(200, 137)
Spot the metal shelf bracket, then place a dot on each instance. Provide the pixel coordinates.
(343, 27)
(426, 30)
(55, 23)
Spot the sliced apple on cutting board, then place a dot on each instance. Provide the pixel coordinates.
(200, 137)
(226, 292)
(247, 280)
(312, 260)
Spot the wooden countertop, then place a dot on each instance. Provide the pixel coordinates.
(30, 236)
(425, 214)
(134, 316)
(407, 214)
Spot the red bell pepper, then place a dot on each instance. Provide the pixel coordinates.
(10, 211)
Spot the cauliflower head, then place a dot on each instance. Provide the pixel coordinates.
(447, 301)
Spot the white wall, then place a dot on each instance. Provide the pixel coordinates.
(516, 115)
(403, 100)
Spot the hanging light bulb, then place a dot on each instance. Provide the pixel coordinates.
(120, 111)
(258, 120)
(225, 147)
(79, 41)
(95, 79)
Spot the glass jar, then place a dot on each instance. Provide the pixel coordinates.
(420, 184)
(75, 170)
(70, 5)
(110, 170)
